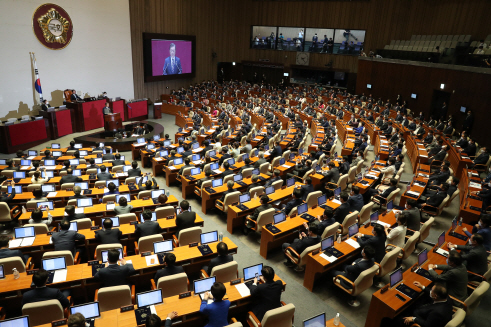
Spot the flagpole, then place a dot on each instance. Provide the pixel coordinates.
(37, 83)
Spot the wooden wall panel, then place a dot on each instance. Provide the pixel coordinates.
(467, 89)
(223, 27)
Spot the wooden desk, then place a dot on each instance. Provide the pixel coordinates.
(381, 147)
(416, 185)
(469, 215)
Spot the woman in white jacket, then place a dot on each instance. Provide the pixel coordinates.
(36, 178)
(397, 235)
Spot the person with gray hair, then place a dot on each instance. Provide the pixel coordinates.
(255, 179)
(260, 161)
(77, 190)
(230, 189)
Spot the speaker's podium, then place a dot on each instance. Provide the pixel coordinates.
(112, 122)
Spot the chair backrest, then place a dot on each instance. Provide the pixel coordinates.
(126, 218)
(99, 183)
(393, 194)
(33, 187)
(307, 173)
(38, 228)
(43, 312)
(92, 171)
(259, 190)
(105, 247)
(235, 324)
(286, 155)
(364, 280)
(64, 186)
(343, 182)
(66, 253)
(263, 169)
(277, 185)
(145, 243)
(247, 172)
(475, 298)
(173, 284)
(110, 197)
(365, 212)
(4, 212)
(130, 180)
(11, 263)
(143, 194)
(330, 230)
(228, 178)
(83, 223)
(312, 198)
(425, 230)
(275, 162)
(352, 174)
(349, 220)
(389, 262)
(165, 212)
(118, 169)
(457, 318)
(303, 256)
(410, 245)
(279, 317)
(226, 272)
(443, 204)
(205, 184)
(186, 171)
(189, 235)
(114, 297)
(229, 199)
(264, 218)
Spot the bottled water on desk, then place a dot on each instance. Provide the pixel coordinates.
(16, 274)
(336, 320)
(220, 237)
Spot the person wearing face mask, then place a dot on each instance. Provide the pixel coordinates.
(376, 240)
(413, 216)
(474, 255)
(433, 310)
(487, 180)
(482, 228)
(454, 275)
(357, 267)
(485, 195)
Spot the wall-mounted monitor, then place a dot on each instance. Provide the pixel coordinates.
(168, 56)
(369, 86)
(463, 109)
(263, 37)
(414, 96)
(339, 76)
(286, 74)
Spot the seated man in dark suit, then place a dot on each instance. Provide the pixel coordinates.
(482, 158)
(71, 215)
(116, 272)
(454, 275)
(355, 201)
(187, 151)
(148, 227)
(255, 182)
(208, 177)
(382, 193)
(227, 171)
(247, 165)
(295, 202)
(343, 210)
(65, 238)
(439, 156)
(117, 160)
(77, 190)
(434, 309)
(103, 175)
(354, 270)
(170, 267)
(264, 206)
(186, 218)
(223, 257)
(74, 96)
(376, 241)
(134, 171)
(267, 295)
(225, 155)
(149, 184)
(276, 152)
(436, 199)
(5, 252)
(230, 189)
(319, 225)
(108, 235)
(307, 188)
(92, 164)
(43, 293)
(70, 178)
(112, 189)
(299, 245)
(108, 155)
(259, 161)
(207, 146)
(276, 177)
(474, 256)
(441, 177)
(186, 165)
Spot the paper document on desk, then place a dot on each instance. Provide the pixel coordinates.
(217, 171)
(50, 167)
(51, 240)
(15, 243)
(110, 206)
(413, 193)
(328, 258)
(286, 166)
(423, 175)
(139, 144)
(159, 159)
(474, 185)
(243, 290)
(152, 309)
(422, 155)
(31, 157)
(52, 194)
(79, 210)
(336, 201)
(197, 150)
(197, 162)
(267, 153)
(121, 174)
(353, 243)
(149, 259)
(371, 175)
(382, 223)
(465, 157)
(106, 190)
(28, 241)
(442, 252)
(60, 276)
(25, 168)
(172, 146)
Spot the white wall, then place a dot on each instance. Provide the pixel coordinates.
(97, 59)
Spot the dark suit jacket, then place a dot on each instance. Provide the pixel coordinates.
(104, 176)
(440, 178)
(276, 152)
(433, 314)
(306, 189)
(70, 179)
(260, 209)
(8, 253)
(224, 157)
(332, 175)
(482, 159)
(80, 196)
(437, 199)
(108, 236)
(148, 228)
(168, 271)
(341, 212)
(470, 149)
(220, 260)
(134, 172)
(45, 294)
(377, 242)
(108, 156)
(118, 163)
(185, 220)
(65, 240)
(387, 192)
(414, 219)
(356, 202)
(227, 172)
(455, 278)
(266, 297)
(353, 271)
(114, 275)
(75, 216)
(475, 258)
(299, 245)
(292, 204)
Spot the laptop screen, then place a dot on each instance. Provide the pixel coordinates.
(255, 172)
(49, 162)
(21, 232)
(74, 162)
(212, 153)
(441, 239)
(282, 161)
(115, 181)
(84, 202)
(422, 257)
(180, 149)
(177, 161)
(104, 255)
(54, 264)
(16, 322)
(317, 321)
(269, 190)
(157, 193)
(337, 191)
(25, 162)
(83, 153)
(250, 272)
(19, 174)
(47, 174)
(156, 137)
(73, 226)
(395, 277)
(231, 161)
(83, 185)
(209, 237)
(290, 182)
(2, 274)
(237, 178)
(88, 310)
(353, 229)
(195, 157)
(140, 140)
(374, 216)
(390, 205)
(321, 200)
(149, 298)
(154, 217)
(164, 246)
(195, 171)
(77, 145)
(216, 182)
(44, 205)
(127, 196)
(244, 198)
(77, 172)
(454, 222)
(214, 166)
(279, 217)
(114, 219)
(56, 153)
(32, 153)
(18, 189)
(55, 145)
(3, 161)
(203, 285)
(167, 143)
(302, 208)
(150, 146)
(327, 243)
(98, 160)
(195, 145)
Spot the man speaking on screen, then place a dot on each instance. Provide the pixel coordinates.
(172, 64)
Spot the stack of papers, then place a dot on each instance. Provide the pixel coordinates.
(382, 223)
(51, 194)
(159, 159)
(243, 290)
(31, 158)
(79, 210)
(413, 193)
(60, 276)
(336, 201)
(121, 174)
(353, 243)
(285, 166)
(50, 167)
(372, 175)
(25, 168)
(26, 241)
(149, 259)
(328, 258)
(139, 144)
(474, 185)
(217, 171)
(110, 206)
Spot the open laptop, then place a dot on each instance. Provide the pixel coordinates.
(217, 182)
(209, 237)
(154, 217)
(32, 153)
(302, 212)
(90, 311)
(24, 232)
(422, 258)
(327, 246)
(114, 219)
(18, 175)
(441, 242)
(98, 160)
(213, 154)
(251, 272)
(45, 205)
(161, 248)
(49, 162)
(279, 217)
(243, 198)
(78, 146)
(337, 192)
(374, 218)
(83, 153)
(146, 299)
(82, 203)
(47, 174)
(195, 171)
(18, 189)
(55, 146)
(74, 162)
(290, 182)
(352, 230)
(201, 286)
(115, 181)
(52, 265)
(57, 154)
(16, 322)
(119, 196)
(397, 283)
(238, 180)
(321, 202)
(104, 255)
(83, 185)
(390, 205)
(316, 321)
(46, 188)
(25, 162)
(155, 195)
(178, 161)
(269, 190)
(73, 226)
(2, 273)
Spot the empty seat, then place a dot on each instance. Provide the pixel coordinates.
(114, 297)
(172, 285)
(43, 312)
